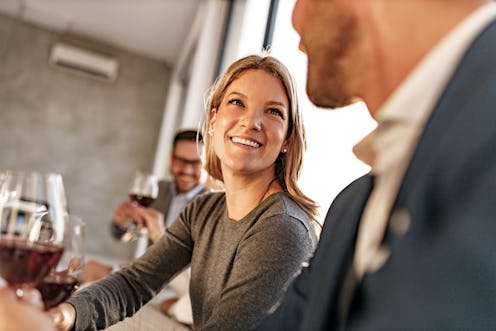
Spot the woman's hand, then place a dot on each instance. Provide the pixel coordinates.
(23, 314)
(63, 316)
(151, 219)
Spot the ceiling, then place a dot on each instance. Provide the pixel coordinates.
(153, 28)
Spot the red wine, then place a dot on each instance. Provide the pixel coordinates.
(56, 288)
(142, 200)
(24, 262)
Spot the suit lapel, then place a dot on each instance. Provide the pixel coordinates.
(335, 252)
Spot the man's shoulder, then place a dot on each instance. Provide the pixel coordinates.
(165, 185)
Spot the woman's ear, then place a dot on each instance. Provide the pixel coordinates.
(284, 147)
(211, 122)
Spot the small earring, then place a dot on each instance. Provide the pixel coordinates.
(284, 150)
(210, 132)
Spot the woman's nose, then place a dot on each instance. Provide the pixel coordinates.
(252, 120)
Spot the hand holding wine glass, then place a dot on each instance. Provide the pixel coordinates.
(63, 279)
(143, 192)
(152, 220)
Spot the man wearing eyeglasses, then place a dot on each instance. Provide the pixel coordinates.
(173, 196)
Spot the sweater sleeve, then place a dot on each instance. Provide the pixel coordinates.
(121, 294)
(268, 257)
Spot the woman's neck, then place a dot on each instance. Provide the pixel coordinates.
(245, 194)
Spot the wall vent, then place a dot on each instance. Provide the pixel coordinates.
(85, 62)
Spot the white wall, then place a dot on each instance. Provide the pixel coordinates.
(191, 78)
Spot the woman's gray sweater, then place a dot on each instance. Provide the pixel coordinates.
(239, 269)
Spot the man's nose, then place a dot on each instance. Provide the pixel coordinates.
(188, 168)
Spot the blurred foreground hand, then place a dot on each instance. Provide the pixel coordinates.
(21, 314)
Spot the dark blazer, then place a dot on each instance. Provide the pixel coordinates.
(441, 269)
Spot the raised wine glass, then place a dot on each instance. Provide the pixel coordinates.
(64, 279)
(143, 191)
(32, 225)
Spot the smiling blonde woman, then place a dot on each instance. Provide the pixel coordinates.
(245, 244)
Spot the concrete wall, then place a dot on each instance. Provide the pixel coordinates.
(96, 134)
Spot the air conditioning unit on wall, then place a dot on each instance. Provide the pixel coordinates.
(85, 62)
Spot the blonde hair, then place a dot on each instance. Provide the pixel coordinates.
(288, 165)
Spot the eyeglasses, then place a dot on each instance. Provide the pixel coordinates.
(185, 162)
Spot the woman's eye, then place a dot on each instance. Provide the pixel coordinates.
(236, 102)
(277, 112)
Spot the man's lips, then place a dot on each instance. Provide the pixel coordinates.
(185, 178)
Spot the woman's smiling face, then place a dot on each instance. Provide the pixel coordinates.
(251, 123)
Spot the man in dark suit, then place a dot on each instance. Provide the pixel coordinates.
(409, 246)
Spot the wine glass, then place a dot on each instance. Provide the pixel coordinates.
(143, 191)
(64, 278)
(32, 209)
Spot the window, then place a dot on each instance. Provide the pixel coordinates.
(330, 164)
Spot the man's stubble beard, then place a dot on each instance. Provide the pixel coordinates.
(331, 94)
(332, 72)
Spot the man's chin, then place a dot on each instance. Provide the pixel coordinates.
(329, 101)
(185, 187)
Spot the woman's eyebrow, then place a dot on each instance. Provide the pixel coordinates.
(277, 103)
(270, 102)
(237, 93)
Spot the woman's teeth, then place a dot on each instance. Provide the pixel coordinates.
(245, 142)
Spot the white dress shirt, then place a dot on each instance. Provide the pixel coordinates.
(401, 121)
